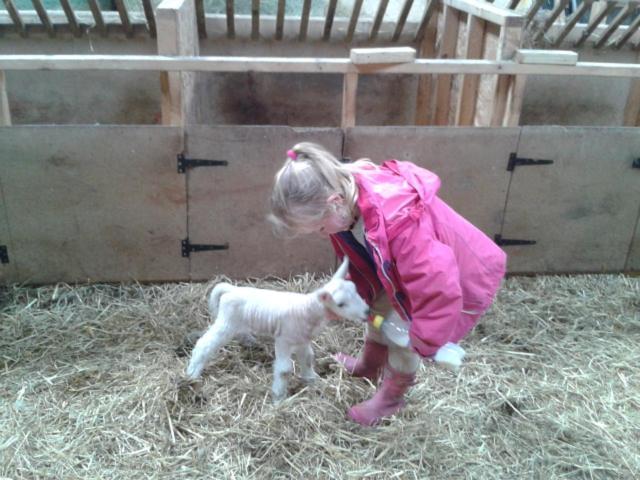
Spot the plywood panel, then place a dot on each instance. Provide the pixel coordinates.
(470, 161)
(94, 203)
(581, 210)
(230, 204)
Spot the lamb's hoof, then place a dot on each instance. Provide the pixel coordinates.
(309, 379)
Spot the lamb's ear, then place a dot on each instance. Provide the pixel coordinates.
(325, 297)
(342, 269)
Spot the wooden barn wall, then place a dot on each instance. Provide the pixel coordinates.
(107, 203)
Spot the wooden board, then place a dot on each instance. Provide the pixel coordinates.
(230, 204)
(93, 203)
(360, 56)
(471, 163)
(582, 209)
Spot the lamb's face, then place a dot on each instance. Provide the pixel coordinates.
(341, 297)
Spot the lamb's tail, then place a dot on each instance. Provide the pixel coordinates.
(214, 297)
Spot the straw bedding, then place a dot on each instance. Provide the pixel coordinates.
(92, 386)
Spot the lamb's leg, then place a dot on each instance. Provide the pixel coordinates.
(282, 368)
(218, 335)
(305, 356)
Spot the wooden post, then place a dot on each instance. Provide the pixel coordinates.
(447, 50)
(349, 91)
(466, 107)
(427, 49)
(508, 43)
(632, 108)
(177, 35)
(5, 113)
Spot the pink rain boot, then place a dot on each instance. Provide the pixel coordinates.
(388, 399)
(370, 363)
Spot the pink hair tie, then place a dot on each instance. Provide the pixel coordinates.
(292, 155)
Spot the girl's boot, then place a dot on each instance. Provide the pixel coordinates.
(370, 363)
(388, 399)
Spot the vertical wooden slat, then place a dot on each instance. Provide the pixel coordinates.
(571, 22)
(619, 42)
(355, 13)
(594, 22)
(97, 17)
(402, 20)
(349, 92)
(632, 107)
(280, 19)
(514, 101)
(255, 19)
(44, 17)
(466, 107)
(555, 13)
(15, 18)
(231, 25)
(71, 17)
(447, 50)
(615, 23)
(124, 17)
(304, 20)
(151, 19)
(331, 13)
(201, 19)
(382, 8)
(427, 33)
(5, 112)
(509, 41)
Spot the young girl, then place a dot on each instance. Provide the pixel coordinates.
(412, 257)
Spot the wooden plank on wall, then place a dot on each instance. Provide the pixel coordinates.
(44, 17)
(304, 20)
(402, 19)
(229, 205)
(349, 94)
(576, 209)
(98, 18)
(94, 203)
(177, 35)
(127, 26)
(328, 23)
(5, 112)
(426, 40)
(477, 189)
(231, 27)
(16, 18)
(447, 51)
(508, 43)
(375, 28)
(466, 105)
(150, 17)
(632, 106)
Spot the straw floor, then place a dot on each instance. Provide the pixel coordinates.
(91, 386)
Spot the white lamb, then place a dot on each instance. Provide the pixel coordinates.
(293, 319)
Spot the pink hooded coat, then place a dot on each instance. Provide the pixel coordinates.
(440, 272)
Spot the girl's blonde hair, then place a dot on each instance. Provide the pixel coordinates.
(304, 184)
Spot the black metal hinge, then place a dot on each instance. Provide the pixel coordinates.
(4, 254)
(511, 241)
(188, 247)
(185, 163)
(515, 161)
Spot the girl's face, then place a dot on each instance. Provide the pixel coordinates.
(337, 219)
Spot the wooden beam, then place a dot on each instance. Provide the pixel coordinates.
(615, 23)
(549, 57)
(355, 13)
(429, 11)
(619, 42)
(422, 66)
(632, 107)
(532, 11)
(382, 8)
(447, 50)
(150, 16)
(230, 15)
(427, 33)
(124, 17)
(508, 43)
(331, 12)
(280, 19)
(44, 17)
(177, 35)
(514, 101)
(402, 19)
(98, 19)
(304, 20)
(201, 19)
(571, 22)
(15, 18)
(349, 92)
(466, 105)
(360, 56)
(5, 112)
(487, 12)
(594, 22)
(555, 13)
